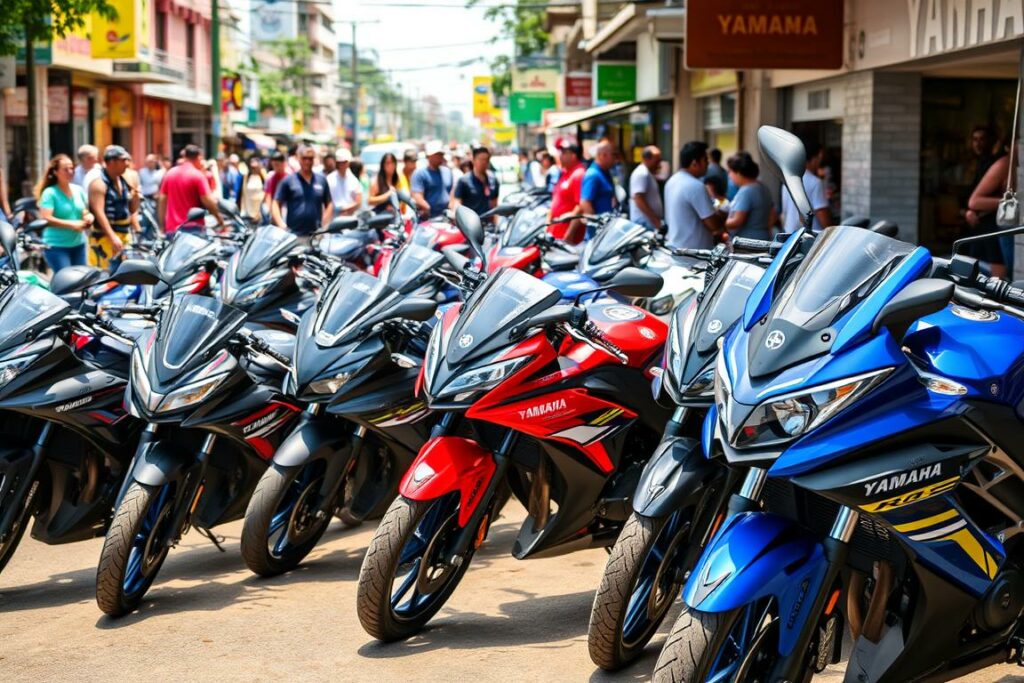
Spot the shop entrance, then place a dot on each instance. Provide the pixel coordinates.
(952, 109)
(828, 134)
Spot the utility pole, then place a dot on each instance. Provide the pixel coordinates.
(214, 78)
(354, 95)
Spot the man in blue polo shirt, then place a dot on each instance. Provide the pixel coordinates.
(597, 193)
(478, 189)
(303, 196)
(431, 187)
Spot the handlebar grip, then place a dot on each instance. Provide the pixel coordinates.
(1004, 292)
(751, 245)
(140, 310)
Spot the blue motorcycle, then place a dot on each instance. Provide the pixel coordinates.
(881, 427)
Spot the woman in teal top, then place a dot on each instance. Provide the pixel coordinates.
(65, 208)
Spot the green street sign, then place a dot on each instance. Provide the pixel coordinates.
(42, 53)
(614, 83)
(528, 107)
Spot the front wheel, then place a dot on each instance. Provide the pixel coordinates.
(406, 575)
(22, 519)
(285, 519)
(644, 573)
(135, 547)
(737, 645)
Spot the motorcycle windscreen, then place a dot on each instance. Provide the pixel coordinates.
(25, 310)
(618, 236)
(409, 265)
(524, 227)
(192, 326)
(506, 299)
(352, 300)
(183, 251)
(845, 265)
(268, 244)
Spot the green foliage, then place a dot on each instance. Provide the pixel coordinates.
(40, 20)
(523, 24)
(286, 88)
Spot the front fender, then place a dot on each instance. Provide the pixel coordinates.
(758, 555)
(312, 439)
(159, 462)
(677, 474)
(446, 464)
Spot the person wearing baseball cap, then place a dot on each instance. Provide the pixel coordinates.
(346, 192)
(432, 186)
(565, 198)
(113, 205)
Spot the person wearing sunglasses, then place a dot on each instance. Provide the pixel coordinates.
(302, 201)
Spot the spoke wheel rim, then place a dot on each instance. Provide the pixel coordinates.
(427, 573)
(148, 548)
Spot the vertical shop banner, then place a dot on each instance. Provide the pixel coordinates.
(579, 89)
(116, 38)
(121, 109)
(765, 34)
(231, 93)
(80, 104)
(614, 82)
(482, 96)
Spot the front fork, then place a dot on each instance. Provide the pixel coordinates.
(27, 482)
(471, 532)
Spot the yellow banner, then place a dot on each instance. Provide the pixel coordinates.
(116, 38)
(505, 135)
(481, 95)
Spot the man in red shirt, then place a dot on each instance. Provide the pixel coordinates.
(278, 170)
(185, 187)
(565, 198)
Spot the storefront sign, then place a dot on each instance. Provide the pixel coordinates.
(58, 103)
(116, 38)
(535, 80)
(765, 34)
(504, 135)
(579, 89)
(482, 96)
(121, 109)
(711, 81)
(231, 96)
(277, 21)
(616, 82)
(528, 107)
(16, 103)
(42, 53)
(944, 25)
(79, 105)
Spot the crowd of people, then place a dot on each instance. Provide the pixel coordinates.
(93, 204)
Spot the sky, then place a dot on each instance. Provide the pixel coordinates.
(421, 36)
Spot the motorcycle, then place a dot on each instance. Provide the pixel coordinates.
(560, 435)
(204, 386)
(64, 429)
(862, 397)
(356, 364)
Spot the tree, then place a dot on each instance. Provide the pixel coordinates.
(522, 23)
(286, 90)
(24, 22)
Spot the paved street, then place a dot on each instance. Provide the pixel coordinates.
(209, 619)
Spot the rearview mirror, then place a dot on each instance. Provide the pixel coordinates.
(785, 155)
(504, 210)
(137, 272)
(414, 309)
(916, 300)
(636, 282)
(195, 215)
(9, 241)
(342, 223)
(470, 226)
(404, 196)
(887, 228)
(226, 206)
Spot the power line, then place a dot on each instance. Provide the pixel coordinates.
(435, 47)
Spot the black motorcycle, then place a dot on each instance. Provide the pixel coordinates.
(204, 384)
(63, 426)
(356, 364)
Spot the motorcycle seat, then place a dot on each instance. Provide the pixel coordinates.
(560, 260)
(75, 279)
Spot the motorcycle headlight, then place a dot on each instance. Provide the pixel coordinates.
(190, 394)
(331, 385)
(785, 417)
(433, 351)
(703, 385)
(140, 382)
(661, 305)
(484, 378)
(9, 369)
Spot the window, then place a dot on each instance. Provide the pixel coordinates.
(819, 99)
(190, 41)
(303, 22)
(161, 30)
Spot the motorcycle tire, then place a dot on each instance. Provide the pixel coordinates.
(629, 564)
(407, 528)
(18, 526)
(705, 644)
(277, 487)
(120, 583)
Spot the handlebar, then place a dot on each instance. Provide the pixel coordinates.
(251, 341)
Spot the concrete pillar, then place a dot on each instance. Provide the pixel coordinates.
(685, 115)
(882, 148)
(42, 116)
(760, 107)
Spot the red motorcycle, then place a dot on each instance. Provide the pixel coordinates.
(551, 401)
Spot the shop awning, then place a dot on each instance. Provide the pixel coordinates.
(261, 140)
(571, 118)
(563, 119)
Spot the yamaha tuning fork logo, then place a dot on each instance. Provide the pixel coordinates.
(465, 340)
(775, 340)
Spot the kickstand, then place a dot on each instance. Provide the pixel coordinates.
(216, 540)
